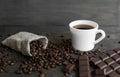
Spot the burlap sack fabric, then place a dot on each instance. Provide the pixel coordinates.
(21, 42)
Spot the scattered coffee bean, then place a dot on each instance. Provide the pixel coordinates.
(41, 75)
(1, 70)
(61, 36)
(118, 42)
(18, 71)
(0, 36)
(101, 45)
(108, 36)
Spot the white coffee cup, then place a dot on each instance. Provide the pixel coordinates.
(84, 39)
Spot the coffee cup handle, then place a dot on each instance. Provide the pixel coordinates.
(102, 36)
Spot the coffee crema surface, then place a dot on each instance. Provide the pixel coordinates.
(83, 26)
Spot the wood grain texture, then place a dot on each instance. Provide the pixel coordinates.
(57, 12)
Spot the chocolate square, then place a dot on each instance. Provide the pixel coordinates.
(69, 67)
(116, 57)
(83, 68)
(109, 61)
(108, 70)
(84, 62)
(83, 57)
(118, 62)
(96, 60)
(118, 70)
(114, 74)
(84, 74)
(102, 65)
(99, 76)
(117, 50)
(115, 66)
(111, 53)
(104, 57)
(99, 72)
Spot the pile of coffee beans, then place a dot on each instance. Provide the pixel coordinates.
(4, 58)
(54, 55)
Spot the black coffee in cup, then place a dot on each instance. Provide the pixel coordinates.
(83, 26)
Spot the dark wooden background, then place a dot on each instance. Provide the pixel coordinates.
(54, 15)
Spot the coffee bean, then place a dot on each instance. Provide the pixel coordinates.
(30, 69)
(65, 62)
(108, 36)
(52, 66)
(28, 72)
(118, 42)
(48, 67)
(1, 70)
(41, 75)
(18, 72)
(101, 45)
(81, 53)
(66, 74)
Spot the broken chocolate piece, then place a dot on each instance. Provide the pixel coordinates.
(109, 61)
(69, 67)
(111, 53)
(96, 60)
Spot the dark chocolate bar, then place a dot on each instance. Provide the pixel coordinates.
(109, 62)
(84, 70)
